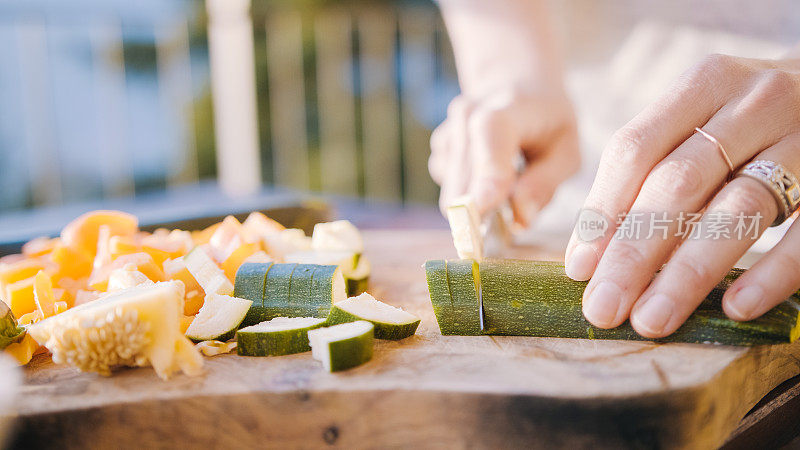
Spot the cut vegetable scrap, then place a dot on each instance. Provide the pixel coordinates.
(23, 351)
(257, 225)
(102, 255)
(465, 228)
(214, 348)
(279, 336)
(71, 263)
(10, 331)
(19, 297)
(39, 246)
(141, 261)
(390, 322)
(235, 258)
(82, 233)
(358, 279)
(343, 346)
(210, 277)
(21, 270)
(126, 277)
(291, 240)
(134, 327)
(340, 235)
(219, 318)
(43, 295)
(175, 269)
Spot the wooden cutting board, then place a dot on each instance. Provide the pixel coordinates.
(428, 390)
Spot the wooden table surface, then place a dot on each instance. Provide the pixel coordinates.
(426, 390)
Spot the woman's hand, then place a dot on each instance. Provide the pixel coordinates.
(512, 107)
(477, 148)
(657, 164)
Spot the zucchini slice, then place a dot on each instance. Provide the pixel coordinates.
(219, 318)
(536, 298)
(289, 290)
(208, 275)
(279, 336)
(390, 322)
(343, 346)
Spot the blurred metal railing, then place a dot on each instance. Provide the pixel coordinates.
(56, 166)
(346, 94)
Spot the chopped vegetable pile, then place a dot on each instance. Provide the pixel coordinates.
(105, 294)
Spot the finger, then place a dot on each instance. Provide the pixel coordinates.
(540, 179)
(682, 182)
(493, 147)
(738, 215)
(777, 274)
(699, 264)
(636, 148)
(458, 165)
(769, 282)
(437, 162)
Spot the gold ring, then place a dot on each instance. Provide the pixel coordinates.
(715, 141)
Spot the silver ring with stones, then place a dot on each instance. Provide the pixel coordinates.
(781, 183)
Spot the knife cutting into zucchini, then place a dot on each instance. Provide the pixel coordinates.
(477, 296)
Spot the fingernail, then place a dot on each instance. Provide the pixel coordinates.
(654, 315)
(601, 307)
(581, 263)
(745, 302)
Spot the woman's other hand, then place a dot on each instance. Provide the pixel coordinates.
(660, 166)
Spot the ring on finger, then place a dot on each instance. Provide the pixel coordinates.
(781, 182)
(721, 149)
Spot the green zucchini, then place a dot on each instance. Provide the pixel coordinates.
(250, 281)
(536, 298)
(219, 318)
(10, 331)
(390, 322)
(289, 290)
(279, 336)
(343, 346)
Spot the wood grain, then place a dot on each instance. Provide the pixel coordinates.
(429, 390)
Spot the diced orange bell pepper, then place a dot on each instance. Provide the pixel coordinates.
(141, 261)
(185, 322)
(43, 294)
(81, 234)
(22, 270)
(71, 263)
(232, 263)
(39, 246)
(194, 301)
(175, 269)
(19, 297)
(24, 350)
(12, 259)
(203, 236)
(123, 245)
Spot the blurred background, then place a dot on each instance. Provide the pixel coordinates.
(171, 106)
(113, 99)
